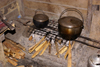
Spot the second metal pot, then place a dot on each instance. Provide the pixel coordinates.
(40, 20)
(94, 61)
(70, 27)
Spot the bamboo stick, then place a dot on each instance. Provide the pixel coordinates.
(73, 44)
(30, 38)
(21, 66)
(57, 49)
(50, 48)
(11, 61)
(36, 53)
(18, 56)
(31, 49)
(60, 50)
(6, 49)
(69, 64)
(12, 54)
(21, 47)
(45, 48)
(37, 43)
(68, 50)
(7, 54)
(40, 46)
(63, 50)
(59, 41)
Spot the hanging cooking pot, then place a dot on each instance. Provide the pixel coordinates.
(40, 20)
(70, 27)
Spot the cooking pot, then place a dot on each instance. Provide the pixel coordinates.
(70, 27)
(40, 20)
(94, 61)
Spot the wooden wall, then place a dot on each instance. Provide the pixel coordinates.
(5, 2)
(96, 2)
(53, 8)
(8, 8)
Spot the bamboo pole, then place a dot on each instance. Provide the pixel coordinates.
(69, 64)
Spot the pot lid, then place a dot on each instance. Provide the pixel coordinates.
(40, 17)
(70, 22)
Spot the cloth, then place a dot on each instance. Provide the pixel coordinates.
(2, 25)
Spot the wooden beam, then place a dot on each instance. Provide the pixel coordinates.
(89, 16)
(96, 2)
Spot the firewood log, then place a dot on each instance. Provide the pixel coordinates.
(16, 44)
(12, 61)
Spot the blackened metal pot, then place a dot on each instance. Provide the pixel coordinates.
(40, 20)
(70, 27)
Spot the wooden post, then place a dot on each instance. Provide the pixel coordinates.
(21, 7)
(89, 16)
(2, 56)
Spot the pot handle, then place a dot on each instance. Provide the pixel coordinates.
(72, 9)
(39, 10)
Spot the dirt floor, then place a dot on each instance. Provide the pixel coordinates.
(80, 52)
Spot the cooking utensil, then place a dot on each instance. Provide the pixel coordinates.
(94, 61)
(40, 20)
(70, 27)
